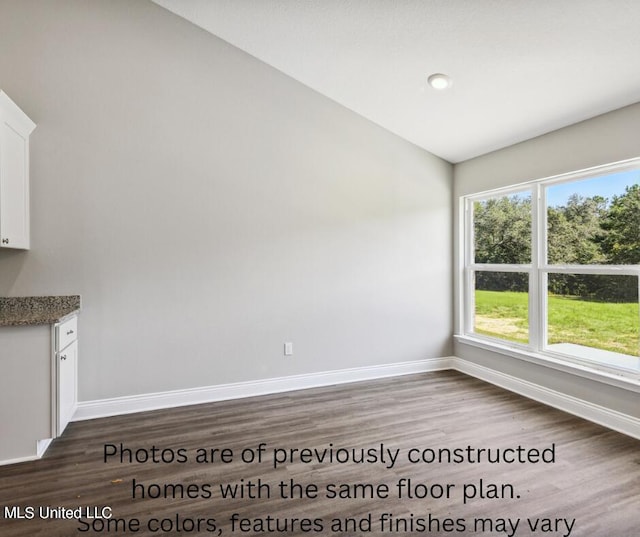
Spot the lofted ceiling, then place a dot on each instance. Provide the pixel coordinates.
(520, 68)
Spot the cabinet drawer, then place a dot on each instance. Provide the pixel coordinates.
(67, 332)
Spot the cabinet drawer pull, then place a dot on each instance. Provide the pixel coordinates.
(63, 357)
(69, 332)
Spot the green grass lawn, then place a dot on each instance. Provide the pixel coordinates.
(609, 326)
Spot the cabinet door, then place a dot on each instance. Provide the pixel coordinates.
(67, 398)
(14, 188)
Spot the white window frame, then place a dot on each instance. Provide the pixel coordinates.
(538, 270)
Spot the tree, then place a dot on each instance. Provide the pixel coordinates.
(502, 230)
(585, 231)
(574, 231)
(622, 224)
(622, 244)
(575, 235)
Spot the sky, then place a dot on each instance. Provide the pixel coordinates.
(606, 186)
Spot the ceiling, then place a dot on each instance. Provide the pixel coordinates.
(520, 68)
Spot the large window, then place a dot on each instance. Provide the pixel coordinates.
(553, 267)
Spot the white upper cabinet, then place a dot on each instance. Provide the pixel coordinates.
(15, 128)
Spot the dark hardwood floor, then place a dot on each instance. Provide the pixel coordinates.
(592, 489)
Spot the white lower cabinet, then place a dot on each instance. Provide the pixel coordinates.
(38, 387)
(67, 386)
(64, 376)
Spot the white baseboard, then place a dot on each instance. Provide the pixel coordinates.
(6, 462)
(154, 401)
(42, 446)
(617, 421)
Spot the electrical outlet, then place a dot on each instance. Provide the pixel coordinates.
(288, 348)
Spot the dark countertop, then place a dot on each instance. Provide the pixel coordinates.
(32, 310)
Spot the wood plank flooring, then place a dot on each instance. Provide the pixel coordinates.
(593, 485)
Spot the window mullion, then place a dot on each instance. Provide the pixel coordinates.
(610, 270)
(536, 321)
(491, 267)
(541, 262)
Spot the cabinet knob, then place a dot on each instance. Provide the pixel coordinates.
(69, 332)
(5, 241)
(63, 357)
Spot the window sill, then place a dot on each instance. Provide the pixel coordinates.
(628, 379)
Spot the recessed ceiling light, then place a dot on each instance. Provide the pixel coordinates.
(439, 81)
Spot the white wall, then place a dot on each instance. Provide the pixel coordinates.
(608, 138)
(209, 208)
